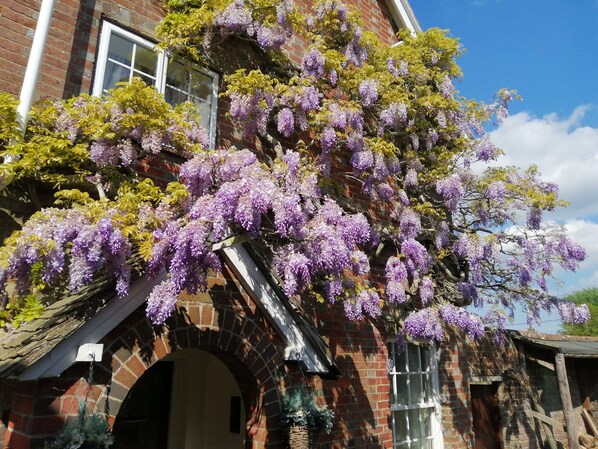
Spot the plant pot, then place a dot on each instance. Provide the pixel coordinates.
(302, 437)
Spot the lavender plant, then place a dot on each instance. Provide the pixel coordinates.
(380, 203)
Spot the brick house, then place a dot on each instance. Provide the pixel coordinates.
(213, 376)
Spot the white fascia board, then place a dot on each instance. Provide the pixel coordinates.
(256, 284)
(64, 353)
(403, 14)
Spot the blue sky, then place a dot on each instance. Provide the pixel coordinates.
(548, 51)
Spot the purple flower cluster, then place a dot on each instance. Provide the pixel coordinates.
(452, 190)
(572, 313)
(70, 243)
(368, 91)
(394, 116)
(460, 318)
(424, 324)
(161, 302)
(366, 302)
(396, 280)
(313, 64)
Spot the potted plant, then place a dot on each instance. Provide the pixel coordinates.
(86, 431)
(303, 418)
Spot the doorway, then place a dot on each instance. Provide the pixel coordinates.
(188, 400)
(485, 411)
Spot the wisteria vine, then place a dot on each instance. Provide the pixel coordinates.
(384, 204)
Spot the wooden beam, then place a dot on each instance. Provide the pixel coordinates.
(543, 363)
(547, 419)
(589, 421)
(561, 374)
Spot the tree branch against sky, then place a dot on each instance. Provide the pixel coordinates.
(379, 174)
(517, 45)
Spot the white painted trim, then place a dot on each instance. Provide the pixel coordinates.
(108, 29)
(403, 14)
(298, 347)
(102, 59)
(64, 354)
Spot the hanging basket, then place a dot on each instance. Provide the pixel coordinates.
(302, 437)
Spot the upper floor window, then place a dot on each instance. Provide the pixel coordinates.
(123, 55)
(414, 398)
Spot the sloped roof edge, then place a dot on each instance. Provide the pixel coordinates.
(568, 345)
(55, 355)
(403, 15)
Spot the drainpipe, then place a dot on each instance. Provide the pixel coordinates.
(34, 63)
(31, 75)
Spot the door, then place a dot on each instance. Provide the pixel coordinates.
(143, 419)
(486, 416)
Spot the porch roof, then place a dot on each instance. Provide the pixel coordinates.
(568, 345)
(46, 346)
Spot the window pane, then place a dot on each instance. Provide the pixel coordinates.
(205, 110)
(176, 75)
(120, 49)
(146, 79)
(426, 359)
(402, 389)
(174, 96)
(114, 74)
(415, 445)
(427, 388)
(145, 61)
(400, 419)
(426, 444)
(414, 424)
(413, 358)
(417, 392)
(425, 418)
(401, 361)
(201, 86)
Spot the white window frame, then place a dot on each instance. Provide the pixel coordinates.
(433, 403)
(108, 29)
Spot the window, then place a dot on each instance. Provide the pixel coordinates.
(414, 398)
(123, 55)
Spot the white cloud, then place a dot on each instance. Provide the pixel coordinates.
(585, 233)
(564, 151)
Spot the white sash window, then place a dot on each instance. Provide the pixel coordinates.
(123, 55)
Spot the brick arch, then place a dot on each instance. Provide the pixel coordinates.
(245, 344)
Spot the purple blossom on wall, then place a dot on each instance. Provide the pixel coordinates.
(368, 91)
(286, 122)
(235, 18)
(161, 302)
(426, 290)
(409, 224)
(313, 63)
(460, 318)
(424, 324)
(394, 116)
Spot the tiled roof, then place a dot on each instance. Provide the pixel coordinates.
(22, 347)
(569, 345)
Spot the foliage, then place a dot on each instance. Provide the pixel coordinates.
(299, 408)
(588, 296)
(86, 431)
(9, 128)
(386, 169)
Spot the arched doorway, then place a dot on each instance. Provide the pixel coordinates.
(188, 400)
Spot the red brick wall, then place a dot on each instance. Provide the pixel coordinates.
(225, 322)
(67, 67)
(463, 361)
